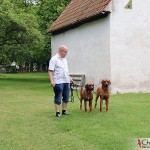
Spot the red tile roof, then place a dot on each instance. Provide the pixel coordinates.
(77, 11)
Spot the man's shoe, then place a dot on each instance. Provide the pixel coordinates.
(58, 116)
(65, 113)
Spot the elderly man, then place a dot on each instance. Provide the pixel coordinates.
(60, 80)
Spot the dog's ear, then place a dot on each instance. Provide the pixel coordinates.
(86, 86)
(109, 82)
(102, 81)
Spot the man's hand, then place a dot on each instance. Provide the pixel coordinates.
(71, 81)
(53, 84)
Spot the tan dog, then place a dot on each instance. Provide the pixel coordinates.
(104, 93)
(86, 94)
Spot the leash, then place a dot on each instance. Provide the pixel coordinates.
(71, 95)
(77, 86)
(72, 85)
(97, 94)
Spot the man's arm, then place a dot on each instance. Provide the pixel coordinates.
(50, 72)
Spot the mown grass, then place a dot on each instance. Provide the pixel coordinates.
(27, 118)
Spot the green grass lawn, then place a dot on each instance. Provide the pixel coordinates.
(28, 122)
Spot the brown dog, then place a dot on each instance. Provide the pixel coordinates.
(103, 93)
(86, 94)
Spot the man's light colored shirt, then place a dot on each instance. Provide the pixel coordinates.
(59, 67)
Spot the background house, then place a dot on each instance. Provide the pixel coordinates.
(107, 39)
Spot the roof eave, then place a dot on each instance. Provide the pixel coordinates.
(101, 15)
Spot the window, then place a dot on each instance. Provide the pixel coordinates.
(129, 5)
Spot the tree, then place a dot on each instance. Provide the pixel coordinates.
(23, 30)
(19, 30)
(48, 12)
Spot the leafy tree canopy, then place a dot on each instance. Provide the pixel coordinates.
(23, 29)
(18, 29)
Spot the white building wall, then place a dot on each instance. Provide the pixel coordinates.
(116, 47)
(89, 49)
(130, 46)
